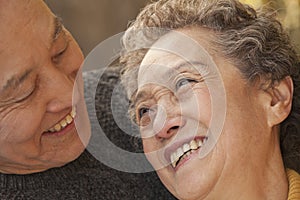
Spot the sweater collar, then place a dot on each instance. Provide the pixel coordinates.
(294, 184)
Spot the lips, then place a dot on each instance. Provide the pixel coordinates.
(62, 124)
(178, 152)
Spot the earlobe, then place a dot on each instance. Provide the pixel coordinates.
(282, 96)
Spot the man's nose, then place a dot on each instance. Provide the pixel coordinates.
(60, 90)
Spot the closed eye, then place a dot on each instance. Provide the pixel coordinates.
(29, 93)
(60, 46)
(60, 53)
(56, 58)
(18, 97)
(25, 97)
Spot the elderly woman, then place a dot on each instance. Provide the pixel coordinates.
(44, 126)
(214, 88)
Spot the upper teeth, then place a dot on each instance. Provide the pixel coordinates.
(185, 150)
(64, 122)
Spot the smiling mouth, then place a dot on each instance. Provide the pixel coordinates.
(185, 150)
(64, 122)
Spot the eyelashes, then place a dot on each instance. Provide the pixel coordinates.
(183, 82)
(142, 111)
(62, 45)
(143, 116)
(30, 92)
(25, 97)
(57, 57)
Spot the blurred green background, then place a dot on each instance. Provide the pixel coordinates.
(93, 21)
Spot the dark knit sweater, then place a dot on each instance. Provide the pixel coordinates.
(86, 177)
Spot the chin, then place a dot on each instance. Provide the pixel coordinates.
(75, 151)
(189, 194)
(66, 155)
(190, 183)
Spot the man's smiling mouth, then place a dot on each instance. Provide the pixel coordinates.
(64, 122)
(186, 149)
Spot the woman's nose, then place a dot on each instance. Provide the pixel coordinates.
(170, 127)
(167, 120)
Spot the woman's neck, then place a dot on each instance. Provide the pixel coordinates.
(264, 177)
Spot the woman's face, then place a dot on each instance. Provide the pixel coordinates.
(174, 107)
(39, 101)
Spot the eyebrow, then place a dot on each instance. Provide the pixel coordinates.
(58, 27)
(138, 97)
(174, 71)
(16, 80)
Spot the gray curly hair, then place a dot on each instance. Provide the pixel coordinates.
(253, 40)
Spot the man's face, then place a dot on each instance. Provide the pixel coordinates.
(175, 105)
(39, 100)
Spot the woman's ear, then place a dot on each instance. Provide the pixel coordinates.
(281, 101)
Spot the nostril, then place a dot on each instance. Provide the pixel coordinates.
(173, 129)
(170, 127)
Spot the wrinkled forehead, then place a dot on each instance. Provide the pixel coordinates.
(12, 10)
(155, 66)
(16, 13)
(26, 27)
(173, 51)
(22, 21)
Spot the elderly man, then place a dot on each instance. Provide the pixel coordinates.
(42, 152)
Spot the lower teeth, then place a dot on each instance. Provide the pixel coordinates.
(186, 154)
